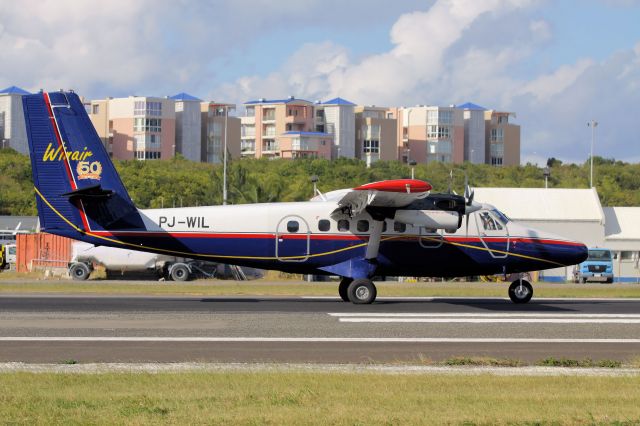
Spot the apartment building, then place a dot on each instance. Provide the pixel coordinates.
(212, 133)
(430, 133)
(337, 118)
(13, 132)
(502, 139)
(474, 133)
(188, 126)
(136, 127)
(376, 134)
(267, 126)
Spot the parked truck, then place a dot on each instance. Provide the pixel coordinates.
(120, 262)
(7, 256)
(598, 267)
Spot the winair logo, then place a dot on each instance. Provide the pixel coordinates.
(84, 169)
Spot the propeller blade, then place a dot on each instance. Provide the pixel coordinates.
(467, 224)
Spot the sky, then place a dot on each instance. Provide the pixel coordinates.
(555, 64)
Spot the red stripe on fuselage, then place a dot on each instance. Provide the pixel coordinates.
(326, 237)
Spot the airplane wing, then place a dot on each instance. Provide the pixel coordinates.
(396, 193)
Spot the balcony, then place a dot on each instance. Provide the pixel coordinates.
(295, 119)
(270, 147)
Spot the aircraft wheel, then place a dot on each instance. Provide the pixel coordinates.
(180, 272)
(520, 291)
(362, 292)
(343, 288)
(79, 271)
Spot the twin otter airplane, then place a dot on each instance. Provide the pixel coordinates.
(394, 227)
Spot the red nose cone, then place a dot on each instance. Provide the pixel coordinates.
(397, 185)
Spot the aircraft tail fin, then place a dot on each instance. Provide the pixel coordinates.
(77, 187)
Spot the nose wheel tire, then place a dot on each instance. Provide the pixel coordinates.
(343, 289)
(362, 292)
(520, 291)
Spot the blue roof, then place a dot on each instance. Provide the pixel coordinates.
(338, 101)
(14, 90)
(292, 133)
(274, 101)
(471, 106)
(185, 97)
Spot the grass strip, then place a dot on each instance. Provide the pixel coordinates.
(315, 398)
(301, 288)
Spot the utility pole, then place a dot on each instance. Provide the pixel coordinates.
(593, 124)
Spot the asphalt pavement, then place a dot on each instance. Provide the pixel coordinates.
(58, 328)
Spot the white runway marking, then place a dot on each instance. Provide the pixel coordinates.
(307, 339)
(487, 318)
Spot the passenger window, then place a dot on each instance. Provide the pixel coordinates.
(384, 226)
(324, 225)
(293, 226)
(343, 225)
(399, 227)
(363, 225)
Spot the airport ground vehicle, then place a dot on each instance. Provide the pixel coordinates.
(598, 267)
(121, 262)
(389, 228)
(7, 255)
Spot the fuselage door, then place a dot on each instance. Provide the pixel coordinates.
(493, 233)
(293, 239)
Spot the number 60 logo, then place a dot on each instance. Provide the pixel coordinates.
(87, 170)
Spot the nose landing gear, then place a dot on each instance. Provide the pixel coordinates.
(520, 291)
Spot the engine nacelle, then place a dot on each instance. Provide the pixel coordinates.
(430, 219)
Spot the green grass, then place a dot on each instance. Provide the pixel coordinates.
(315, 398)
(299, 288)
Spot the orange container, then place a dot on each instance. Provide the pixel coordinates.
(36, 251)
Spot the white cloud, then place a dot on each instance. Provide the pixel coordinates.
(545, 87)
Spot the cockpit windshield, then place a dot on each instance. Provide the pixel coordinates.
(501, 216)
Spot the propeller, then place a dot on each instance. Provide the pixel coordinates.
(470, 205)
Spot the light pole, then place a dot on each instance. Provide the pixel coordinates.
(314, 179)
(413, 163)
(547, 173)
(593, 124)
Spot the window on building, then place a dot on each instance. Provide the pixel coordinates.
(248, 145)
(153, 109)
(343, 225)
(293, 226)
(95, 109)
(248, 130)
(362, 225)
(250, 112)
(496, 161)
(626, 255)
(324, 225)
(497, 135)
(445, 117)
(399, 227)
(371, 146)
(147, 125)
(440, 132)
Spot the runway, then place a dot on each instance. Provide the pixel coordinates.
(40, 329)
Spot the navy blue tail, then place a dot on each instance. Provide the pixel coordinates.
(77, 187)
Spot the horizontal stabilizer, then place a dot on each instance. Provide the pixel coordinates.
(94, 192)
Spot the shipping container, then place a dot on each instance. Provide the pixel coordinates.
(42, 251)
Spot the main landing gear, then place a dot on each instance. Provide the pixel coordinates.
(360, 291)
(520, 291)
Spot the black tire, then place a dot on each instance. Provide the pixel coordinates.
(180, 272)
(519, 294)
(609, 280)
(79, 272)
(362, 292)
(343, 289)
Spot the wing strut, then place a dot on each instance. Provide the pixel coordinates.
(374, 240)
